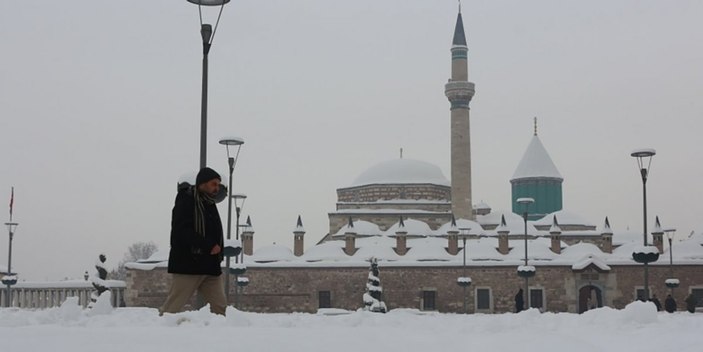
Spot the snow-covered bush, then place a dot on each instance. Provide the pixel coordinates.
(99, 281)
(374, 291)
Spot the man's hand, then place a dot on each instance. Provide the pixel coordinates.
(215, 250)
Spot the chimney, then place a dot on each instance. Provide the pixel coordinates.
(658, 236)
(298, 235)
(555, 235)
(349, 238)
(503, 232)
(607, 237)
(248, 238)
(401, 238)
(453, 238)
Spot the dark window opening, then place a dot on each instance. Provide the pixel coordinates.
(428, 300)
(483, 299)
(325, 299)
(537, 298)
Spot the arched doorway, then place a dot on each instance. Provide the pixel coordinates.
(590, 297)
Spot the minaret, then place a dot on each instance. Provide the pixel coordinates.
(459, 91)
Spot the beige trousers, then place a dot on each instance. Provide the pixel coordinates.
(183, 286)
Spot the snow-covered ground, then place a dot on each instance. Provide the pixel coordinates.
(68, 328)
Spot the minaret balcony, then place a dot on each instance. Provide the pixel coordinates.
(459, 90)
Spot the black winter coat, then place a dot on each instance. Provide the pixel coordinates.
(190, 251)
(670, 304)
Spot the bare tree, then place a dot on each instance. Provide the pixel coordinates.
(137, 251)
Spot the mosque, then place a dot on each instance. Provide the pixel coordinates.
(439, 251)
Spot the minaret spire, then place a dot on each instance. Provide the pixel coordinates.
(459, 35)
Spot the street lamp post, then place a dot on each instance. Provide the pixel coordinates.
(644, 161)
(208, 34)
(466, 281)
(671, 282)
(526, 271)
(239, 200)
(10, 279)
(237, 143)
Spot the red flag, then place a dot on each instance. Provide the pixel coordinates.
(12, 201)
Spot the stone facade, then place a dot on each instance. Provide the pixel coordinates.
(296, 289)
(380, 192)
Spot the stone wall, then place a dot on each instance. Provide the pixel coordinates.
(444, 207)
(372, 193)
(297, 289)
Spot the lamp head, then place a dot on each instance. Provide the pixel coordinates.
(231, 141)
(208, 2)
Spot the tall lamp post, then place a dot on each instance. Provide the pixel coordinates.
(671, 282)
(10, 279)
(239, 269)
(208, 34)
(645, 255)
(464, 281)
(526, 271)
(234, 142)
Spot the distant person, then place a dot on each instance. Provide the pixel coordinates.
(196, 246)
(670, 304)
(691, 303)
(519, 302)
(656, 302)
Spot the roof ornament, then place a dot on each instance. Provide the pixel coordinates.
(535, 125)
(401, 152)
(459, 6)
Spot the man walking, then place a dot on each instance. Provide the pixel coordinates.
(196, 246)
(670, 304)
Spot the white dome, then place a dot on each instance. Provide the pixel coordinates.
(402, 171)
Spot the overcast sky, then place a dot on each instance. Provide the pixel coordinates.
(100, 110)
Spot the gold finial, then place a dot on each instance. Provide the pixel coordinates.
(535, 125)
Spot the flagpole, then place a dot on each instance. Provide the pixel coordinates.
(10, 225)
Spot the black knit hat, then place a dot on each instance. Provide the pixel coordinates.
(206, 174)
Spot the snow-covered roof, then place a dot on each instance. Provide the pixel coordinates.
(474, 227)
(536, 162)
(514, 223)
(398, 171)
(482, 205)
(427, 249)
(361, 228)
(431, 249)
(412, 227)
(158, 256)
(272, 253)
(326, 251)
(564, 218)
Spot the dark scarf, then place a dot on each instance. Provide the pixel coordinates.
(201, 199)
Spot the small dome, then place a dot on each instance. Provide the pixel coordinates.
(402, 171)
(272, 253)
